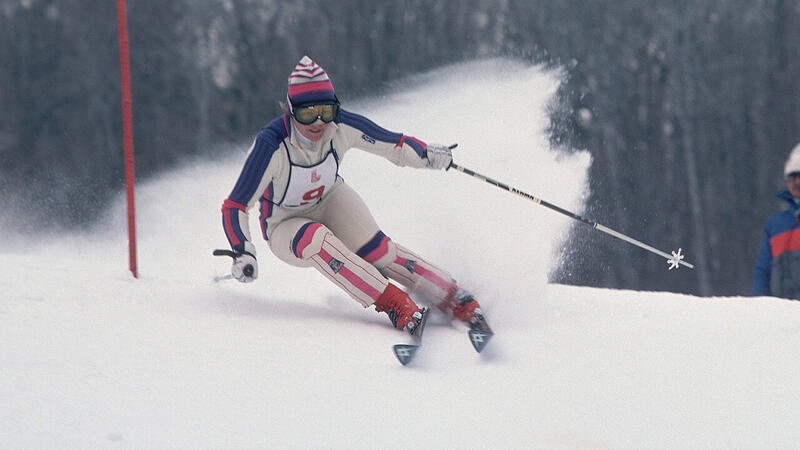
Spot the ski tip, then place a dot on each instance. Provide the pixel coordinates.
(479, 339)
(405, 352)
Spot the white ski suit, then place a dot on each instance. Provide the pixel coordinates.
(311, 218)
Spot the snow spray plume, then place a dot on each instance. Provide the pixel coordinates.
(674, 260)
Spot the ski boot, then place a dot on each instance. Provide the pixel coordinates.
(402, 311)
(463, 306)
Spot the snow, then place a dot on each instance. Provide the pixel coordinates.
(92, 358)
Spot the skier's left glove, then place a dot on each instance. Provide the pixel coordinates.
(439, 156)
(245, 267)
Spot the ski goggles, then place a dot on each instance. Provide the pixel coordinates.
(311, 113)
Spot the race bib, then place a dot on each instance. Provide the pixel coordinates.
(307, 185)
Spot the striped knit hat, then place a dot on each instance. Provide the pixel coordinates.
(309, 83)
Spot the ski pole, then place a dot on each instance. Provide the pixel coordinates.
(673, 260)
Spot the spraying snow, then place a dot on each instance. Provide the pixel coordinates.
(91, 358)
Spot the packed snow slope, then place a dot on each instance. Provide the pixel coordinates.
(92, 358)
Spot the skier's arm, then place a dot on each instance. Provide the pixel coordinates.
(763, 268)
(400, 149)
(249, 187)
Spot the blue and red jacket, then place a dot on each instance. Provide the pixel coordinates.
(777, 270)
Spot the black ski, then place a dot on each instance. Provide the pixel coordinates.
(479, 338)
(479, 332)
(405, 353)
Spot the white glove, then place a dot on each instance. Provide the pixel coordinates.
(245, 267)
(439, 156)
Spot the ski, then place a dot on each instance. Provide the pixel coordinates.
(405, 353)
(479, 332)
(479, 339)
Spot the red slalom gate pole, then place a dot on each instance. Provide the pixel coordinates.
(127, 125)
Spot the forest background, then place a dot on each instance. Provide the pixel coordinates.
(689, 108)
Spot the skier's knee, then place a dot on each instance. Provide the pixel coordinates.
(308, 240)
(380, 251)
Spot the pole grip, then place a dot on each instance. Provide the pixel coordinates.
(222, 252)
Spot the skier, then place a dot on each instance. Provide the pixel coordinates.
(777, 270)
(310, 217)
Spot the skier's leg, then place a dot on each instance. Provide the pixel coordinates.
(303, 242)
(407, 268)
(423, 279)
(348, 216)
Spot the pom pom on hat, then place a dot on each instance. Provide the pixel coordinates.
(793, 163)
(309, 83)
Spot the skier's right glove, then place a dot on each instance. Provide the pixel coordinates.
(439, 156)
(245, 267)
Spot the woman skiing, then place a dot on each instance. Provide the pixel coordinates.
(311, 218)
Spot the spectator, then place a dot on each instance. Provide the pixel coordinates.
(777, 270)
